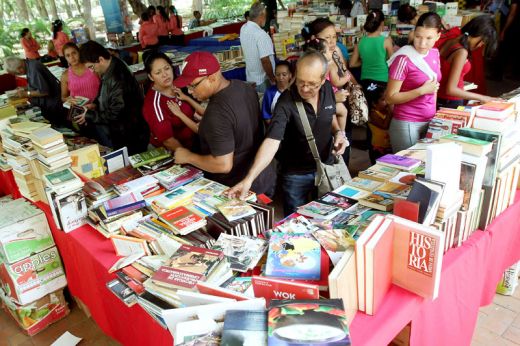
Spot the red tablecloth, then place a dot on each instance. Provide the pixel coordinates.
(469, 277)
(470, 274)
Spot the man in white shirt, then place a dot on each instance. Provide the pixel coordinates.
(258, 49)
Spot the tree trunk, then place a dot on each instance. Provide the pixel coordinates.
(54, 10)
(89, 22)
(66, 4)
(23, 12)
(137, 7)
(163, 3)
(41, 9)
(78, 6)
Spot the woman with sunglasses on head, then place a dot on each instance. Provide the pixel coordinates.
(413, 82)
(167, 110)
(455, 56)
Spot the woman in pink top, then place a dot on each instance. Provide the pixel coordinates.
(148, 32)
(59, 38)
(78, 80)
(413, 82)
(175, 27)
(163, 21)
(29, 44)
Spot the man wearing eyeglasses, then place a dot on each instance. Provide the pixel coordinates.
(286, 135)
(231, 129)
(116, 112)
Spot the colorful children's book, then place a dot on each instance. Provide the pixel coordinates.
(293, 256)
(235, 209)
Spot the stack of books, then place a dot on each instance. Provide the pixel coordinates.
(152, 161)
(102, 188)
(177, 175)
(64, 191)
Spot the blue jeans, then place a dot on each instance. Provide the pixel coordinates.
(296, 189)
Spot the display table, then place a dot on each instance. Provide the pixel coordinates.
(469, 277)
(230, 28)
(213, 40)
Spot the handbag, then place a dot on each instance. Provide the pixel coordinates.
(328, 177)
(356, 103)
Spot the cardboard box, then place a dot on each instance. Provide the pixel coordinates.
(32, 278)
(36, 316)
(26, 234)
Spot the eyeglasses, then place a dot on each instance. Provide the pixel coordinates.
(310, 85)
(194, 86)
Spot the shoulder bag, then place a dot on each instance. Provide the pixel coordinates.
(328, 177)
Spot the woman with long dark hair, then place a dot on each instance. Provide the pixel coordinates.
(455, 56)
(175, 27)
(29, 44)
(162, 20)
(59, 38)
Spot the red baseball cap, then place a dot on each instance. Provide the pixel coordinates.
(197, 64)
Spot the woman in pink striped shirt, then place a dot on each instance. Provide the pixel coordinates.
(59, 38)
(78, 80)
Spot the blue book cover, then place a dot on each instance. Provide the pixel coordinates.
(293, 256)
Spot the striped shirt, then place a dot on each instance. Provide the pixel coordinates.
(163, 124)
(256, 44)
(86, 85)
(422, 108)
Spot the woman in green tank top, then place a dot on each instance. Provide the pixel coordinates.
(373, 51)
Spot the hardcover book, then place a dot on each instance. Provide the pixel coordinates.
(307, 322)
(293, 256)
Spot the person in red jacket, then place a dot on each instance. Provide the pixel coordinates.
(29, 44)
(162, 20)
(175, 27)
(148, 36)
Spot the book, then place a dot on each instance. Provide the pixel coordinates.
(469, 145)
(187, 266)
(378, 200)
(182, 220)
(125, 261)
(406, 209)
(190, 298)
(235, 209)
(428, 194)
(177, 175)
(46, 137)
(294, 256)
(334, 199)
(134, 285)
(198, 332)
(395, 189)
(77, 101)
(271, 288)
(126, 246)
(140, 185)
(62, 181)
(379, 173)
(149, 156)
(495, 110)
(115, 160)
(122, 291)
(398, 161)
(242, 253)
(120, 204)
(307, 322)
(343, 283)
(87, 161)
(296, 224)
(71, 209)
(439, 127)
(443, 165)
(318, 210)
(495, 124)
(364, 184)
(335, 240)
(244, 327)
(351, 192)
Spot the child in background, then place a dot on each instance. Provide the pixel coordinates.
(283, 76)
(378, 122)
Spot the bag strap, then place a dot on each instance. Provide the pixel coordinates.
(309, 136)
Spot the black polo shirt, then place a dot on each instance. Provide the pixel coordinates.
(294, 154)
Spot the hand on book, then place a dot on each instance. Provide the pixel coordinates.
(239, 191)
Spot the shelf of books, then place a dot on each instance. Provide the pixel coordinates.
(149, 242)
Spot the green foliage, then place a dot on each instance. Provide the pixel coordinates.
(221, 9)
(40, 29)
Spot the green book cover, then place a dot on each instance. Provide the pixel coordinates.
(489, 136)
(60, 177)
(464, 139)
(156, 154)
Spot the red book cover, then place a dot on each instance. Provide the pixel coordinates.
(210, 289)
(180, 218)
(270, 288)
(176, 278)
(134, 285)
(406, 209)
(134, 274)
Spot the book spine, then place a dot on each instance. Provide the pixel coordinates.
(124, 209)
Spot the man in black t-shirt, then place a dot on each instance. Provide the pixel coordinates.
(231, 130)
(287, 136)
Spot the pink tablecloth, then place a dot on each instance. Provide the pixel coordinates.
(470, 274)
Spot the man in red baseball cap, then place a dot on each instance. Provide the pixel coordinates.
(231, 129)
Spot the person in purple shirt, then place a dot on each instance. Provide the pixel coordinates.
(413, 82)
